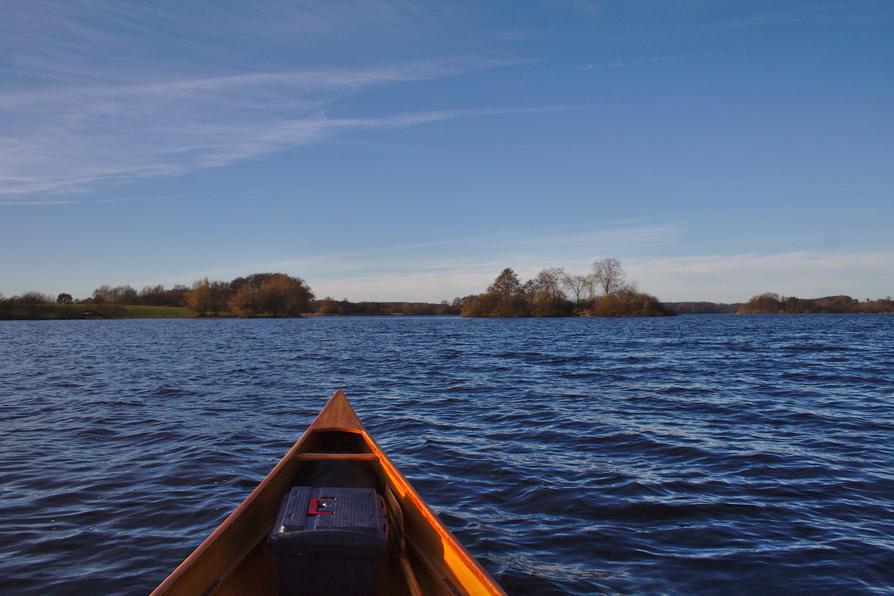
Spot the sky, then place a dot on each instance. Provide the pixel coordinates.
(410, 150)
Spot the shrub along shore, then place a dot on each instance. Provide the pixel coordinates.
(552, 293)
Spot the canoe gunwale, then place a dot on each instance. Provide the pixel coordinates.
(338, 416)
(398, 481)
(169, 585)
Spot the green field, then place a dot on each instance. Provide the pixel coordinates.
(97, 311)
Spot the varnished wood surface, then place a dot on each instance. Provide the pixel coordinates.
(234, 558)
(454, 568)
(337, 414)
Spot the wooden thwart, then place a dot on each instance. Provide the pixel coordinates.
(234, 558)
(336, 457)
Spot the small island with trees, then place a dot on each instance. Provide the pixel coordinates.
(555, 293)
(602, 292)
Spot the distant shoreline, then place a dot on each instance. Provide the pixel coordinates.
(78, 312)
(553, 293)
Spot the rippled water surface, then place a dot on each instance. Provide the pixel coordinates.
(692, 454)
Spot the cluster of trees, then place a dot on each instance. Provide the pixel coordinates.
(35, 305)
(128, 296)
(259, 294)
(627, 302)
(29, 304)
(119, 295)
(770, 303)
(273, 294)
(552, 293)
(555, 293)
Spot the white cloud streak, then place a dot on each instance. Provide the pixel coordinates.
(720, 278)
(457, 266)
(79, 40)
(442, 269)
(733, 278)
(67, 139)
(93, 92)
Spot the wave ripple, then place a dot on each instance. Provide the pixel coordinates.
(696, 454)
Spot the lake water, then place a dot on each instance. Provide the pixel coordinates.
(679, 455)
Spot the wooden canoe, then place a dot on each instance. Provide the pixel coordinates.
(425, 558)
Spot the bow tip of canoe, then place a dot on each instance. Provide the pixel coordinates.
(338, 413)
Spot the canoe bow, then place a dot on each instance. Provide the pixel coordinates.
(234, 558)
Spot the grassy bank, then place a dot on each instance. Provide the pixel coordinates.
(97, 311)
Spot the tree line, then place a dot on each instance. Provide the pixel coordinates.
(273, 294)
(555, 293)
(258, 294)
(602, 291)
(771, 303)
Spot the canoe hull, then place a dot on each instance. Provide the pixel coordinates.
(426, 558)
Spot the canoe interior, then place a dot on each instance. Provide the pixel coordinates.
(423, 556)
(258, 573)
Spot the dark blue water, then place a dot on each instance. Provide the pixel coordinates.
(692, 454)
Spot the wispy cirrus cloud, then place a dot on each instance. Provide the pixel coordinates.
(737, 277)
(92, 93)
(723, 278)
(50, 202)
(442, 269)
(814, 11)
(78, 40)
(65, 139)
(663, 59)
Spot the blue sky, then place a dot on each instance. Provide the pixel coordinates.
(399, 150)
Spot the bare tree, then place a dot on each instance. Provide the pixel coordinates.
(576, 284)
(117, 295)
(608, 274)
(32, 301)
(545, 297)
(591, 286)
(548, 282)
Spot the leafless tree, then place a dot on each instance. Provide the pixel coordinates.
(608, 274)
(32, 301)
(549, 281)
(118, 295)
(591, 286)
(576, 284)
